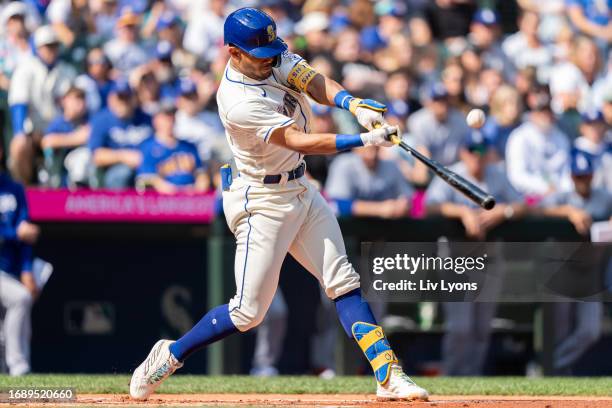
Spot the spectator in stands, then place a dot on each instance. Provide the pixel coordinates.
(537, 152)
(116, 133)
(505, 115)
(147, 88)
(71, 20)
(164, 70)
(105, 15)
(468, 324)
(96, 81)
(450, 19)
(593, 18)
(578, 325)
(364, 185)
(169, 28)
(170, 165)
(484, 35)
(66, 132)
(438, 130)
(17, 285)
(204, 32)
(125, 51)
(36, 86)
(15, 42)
(583, 69)
(525, 49)
(196, 125)
(597, 144)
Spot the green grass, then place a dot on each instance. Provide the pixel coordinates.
(300, 385)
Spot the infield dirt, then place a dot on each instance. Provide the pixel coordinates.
(335, 400)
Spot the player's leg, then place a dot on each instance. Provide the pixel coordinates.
(263, 225)
(17, 327)
(458, 337)
(319, 247)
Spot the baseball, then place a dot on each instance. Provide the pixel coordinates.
(475, 118)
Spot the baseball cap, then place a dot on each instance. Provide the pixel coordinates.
(581, 163)
(313, 21)
(163, 50)
(128, 18)
(486, 17)
(436, 92)
(187, 87)
(475, 142)
(14, 8)
(121, 87)
(592, 117)
(371, 40)
(167, 20)
(391, 8)
(45, 35)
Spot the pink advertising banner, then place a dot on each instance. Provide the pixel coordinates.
(119, 206)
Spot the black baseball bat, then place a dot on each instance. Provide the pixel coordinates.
(474, 193)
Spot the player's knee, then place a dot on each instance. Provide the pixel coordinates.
(247, 319)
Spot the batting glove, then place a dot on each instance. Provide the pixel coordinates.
(380, 136)
(368, 112)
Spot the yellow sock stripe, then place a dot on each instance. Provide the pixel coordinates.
(386, 357)
(371, 338)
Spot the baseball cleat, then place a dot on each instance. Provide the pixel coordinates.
(158, 366)
(400, 387)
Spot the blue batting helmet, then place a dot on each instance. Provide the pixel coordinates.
(254, 32)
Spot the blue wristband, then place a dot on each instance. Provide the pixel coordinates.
(345, 142)
(343, 99)
(345, 207)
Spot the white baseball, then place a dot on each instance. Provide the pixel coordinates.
(476, 118)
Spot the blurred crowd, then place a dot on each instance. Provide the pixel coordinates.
(121, 94)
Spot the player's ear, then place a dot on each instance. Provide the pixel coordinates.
(235, 52)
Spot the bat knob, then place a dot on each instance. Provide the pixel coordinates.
(488, 203)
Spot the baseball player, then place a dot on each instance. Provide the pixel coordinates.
(273, 209)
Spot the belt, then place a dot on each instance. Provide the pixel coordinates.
(293, 174)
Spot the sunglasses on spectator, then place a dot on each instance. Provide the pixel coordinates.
(479, 150)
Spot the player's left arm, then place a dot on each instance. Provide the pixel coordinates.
(326, 91)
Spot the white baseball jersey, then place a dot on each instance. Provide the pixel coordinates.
(269, 220)
(250, 110)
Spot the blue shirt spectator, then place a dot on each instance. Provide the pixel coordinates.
(169, 164)
(116, 133)
(15, 254)
(596, 11)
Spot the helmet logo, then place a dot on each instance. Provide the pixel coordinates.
(271, 33)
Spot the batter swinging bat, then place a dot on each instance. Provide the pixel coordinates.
(483, 199)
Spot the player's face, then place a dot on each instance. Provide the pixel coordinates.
(256, 68)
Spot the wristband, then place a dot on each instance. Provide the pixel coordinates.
(343, 99)
(345, 207)
(345, 142)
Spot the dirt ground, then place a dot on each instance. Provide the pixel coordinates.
(337, 400)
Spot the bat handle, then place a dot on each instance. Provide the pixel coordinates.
(393, 137)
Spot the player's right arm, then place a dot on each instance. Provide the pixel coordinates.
(291, 137)
(261, 119)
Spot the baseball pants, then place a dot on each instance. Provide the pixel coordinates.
(270, 220)
(17, 301)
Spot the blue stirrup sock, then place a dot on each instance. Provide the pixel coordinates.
(359, 322)
(214, 326)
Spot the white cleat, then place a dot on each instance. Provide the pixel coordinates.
(400, 387)
(158, 366)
